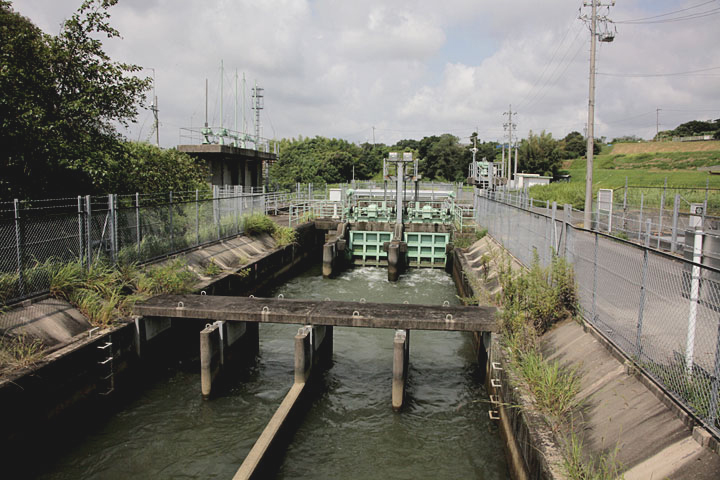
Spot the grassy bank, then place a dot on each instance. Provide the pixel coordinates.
(612, 170)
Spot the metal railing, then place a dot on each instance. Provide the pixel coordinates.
(660, 310)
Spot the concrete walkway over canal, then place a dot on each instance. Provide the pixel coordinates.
(331, 313)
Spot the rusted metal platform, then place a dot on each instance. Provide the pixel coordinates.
(304, 312)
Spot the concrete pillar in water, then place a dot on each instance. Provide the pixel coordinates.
(322, 344)
(218, 343)
(401, 356)
(394, 261)
(210, 357)
(328, 259)
(303, 354)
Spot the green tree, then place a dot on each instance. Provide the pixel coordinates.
(539, 154)
(65, 96)
(442, 157)
(141, 167)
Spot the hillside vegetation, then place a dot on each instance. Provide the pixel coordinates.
(647, 169)
(658, 147)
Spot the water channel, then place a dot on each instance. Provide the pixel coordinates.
(168, 431)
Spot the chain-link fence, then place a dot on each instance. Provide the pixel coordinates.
(662, 310)
(37, 235)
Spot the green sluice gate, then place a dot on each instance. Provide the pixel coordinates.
(366, 248)
(424, 250)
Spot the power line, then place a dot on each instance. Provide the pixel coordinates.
(665, 14)
(549, 81)
(552, 59)
(536, 101)
(645, 75)
(693, 16)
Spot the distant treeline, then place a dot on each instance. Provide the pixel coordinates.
(693, 128)
(441, 157)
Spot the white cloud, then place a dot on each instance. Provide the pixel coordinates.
(339, 67)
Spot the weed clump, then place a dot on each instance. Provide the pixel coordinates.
(19, 351)
(257, 224)
(284, 236)
(533, 301)
(103, 292)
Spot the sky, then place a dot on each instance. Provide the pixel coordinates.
(385, 70)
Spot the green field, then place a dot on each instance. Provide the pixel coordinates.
(610, 170)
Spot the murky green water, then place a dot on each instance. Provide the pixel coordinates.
(350, 432)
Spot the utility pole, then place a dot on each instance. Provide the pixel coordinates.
(155, 111)
(605, 36)
(373, 136)
(244, 124)
(657, 124)
(509, 126)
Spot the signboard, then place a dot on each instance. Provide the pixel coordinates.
(605, 204)
(696, 214)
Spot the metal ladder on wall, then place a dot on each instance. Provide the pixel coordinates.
(107, 371)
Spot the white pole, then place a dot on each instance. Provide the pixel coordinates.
(694, 294)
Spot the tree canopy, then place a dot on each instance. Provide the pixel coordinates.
(62, 97)
(694, 128)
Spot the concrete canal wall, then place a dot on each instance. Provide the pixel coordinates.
(622, 411)
(87, 368)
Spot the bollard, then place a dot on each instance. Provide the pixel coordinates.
(328, 259)
(322, 339)
(210, 354)
(394, 262)
(401, 354)
(303, 354)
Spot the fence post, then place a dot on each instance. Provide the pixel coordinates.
(81, 252)
(648, 232)
(216, 208)
(624, 217)
(595, 269)
(172, 230)
(715, 381)
(568, 212)
(676, 208)
(694, 298)
(236, 204)
(19, 242)
(197, 217)
(643, 279)
(88, 213)
(554, 235)
(662, 207)
(640, 222)
(138, 238)
(111, 224)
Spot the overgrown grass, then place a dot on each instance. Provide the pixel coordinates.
(533, 300)
(258, 223)
(19, 351)
(554, 388)
(284, 236)
(212, 269)
(104, 293)
(604, 467)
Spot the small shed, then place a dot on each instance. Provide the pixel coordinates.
(527, 180)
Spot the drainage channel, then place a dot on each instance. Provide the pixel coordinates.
(350, 431)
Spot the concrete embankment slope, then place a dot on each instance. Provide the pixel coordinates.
(621, 408)
(653, 438)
